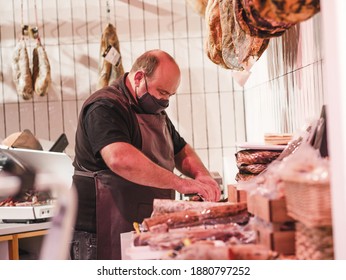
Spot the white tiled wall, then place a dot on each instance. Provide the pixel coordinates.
(285, 91)
(213, 113)
(207, 110)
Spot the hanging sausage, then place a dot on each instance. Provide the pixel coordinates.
(39, 80)
(21, 69)
(40, 70)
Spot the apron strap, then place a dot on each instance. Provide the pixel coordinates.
(84, 173)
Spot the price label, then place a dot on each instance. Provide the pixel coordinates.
(112, 55)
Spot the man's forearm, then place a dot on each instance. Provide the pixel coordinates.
(131, 164)
(189, 163)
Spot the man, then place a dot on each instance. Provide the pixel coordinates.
(126, 150)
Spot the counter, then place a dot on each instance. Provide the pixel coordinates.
(14, 235)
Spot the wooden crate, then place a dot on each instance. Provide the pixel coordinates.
(282, 242)
(269, 210)
(235, 195)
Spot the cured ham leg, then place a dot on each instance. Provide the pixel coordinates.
(107, 71)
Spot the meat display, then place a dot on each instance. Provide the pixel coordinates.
(198, 230)
(164, 206)
(178, 238)
(226, 213)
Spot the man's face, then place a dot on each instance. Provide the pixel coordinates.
(165, 81)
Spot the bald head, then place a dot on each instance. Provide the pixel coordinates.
(151, 60)
(161, 72)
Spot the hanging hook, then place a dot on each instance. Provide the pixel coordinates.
(34, 30)
(25, 28)
(108, 12)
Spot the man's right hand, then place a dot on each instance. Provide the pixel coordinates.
(209, 191)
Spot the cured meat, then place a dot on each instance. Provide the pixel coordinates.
(194, 217)
(252, 24)
(208, 251)
(199, 6)
(164, 206)
(289, 11)
(255, 168)
(229, 52)
(250, 156)
(175, 239)
(213, 43)
(21, 70)
(227, 44)
(242, 177)
(239, 50)
(41, 70)
(107, 71)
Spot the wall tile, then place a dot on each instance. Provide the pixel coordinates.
(185, 127)
(196, 66)
(26, 114)
(64, 22)
(199, 120)
(213, 120)
(56, 124)
(12, 118)
(228, 123)
(41, 120)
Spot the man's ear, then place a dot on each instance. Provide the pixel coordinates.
(138, 77)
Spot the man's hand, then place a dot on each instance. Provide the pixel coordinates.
(213, 185)
(205, 186)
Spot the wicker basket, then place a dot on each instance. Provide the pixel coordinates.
(309, 202)
(314, 243)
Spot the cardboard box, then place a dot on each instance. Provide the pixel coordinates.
(269, 210)
(235, 195)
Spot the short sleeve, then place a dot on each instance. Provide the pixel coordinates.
(106, 123)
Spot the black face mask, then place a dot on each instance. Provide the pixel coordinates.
(150, 104)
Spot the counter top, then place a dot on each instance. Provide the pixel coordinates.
(13, 228)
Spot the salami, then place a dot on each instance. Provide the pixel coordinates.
(21, 71)
(41, 70)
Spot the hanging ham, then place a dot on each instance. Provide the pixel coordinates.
(109, 72)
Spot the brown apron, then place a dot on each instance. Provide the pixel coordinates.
(119, 202)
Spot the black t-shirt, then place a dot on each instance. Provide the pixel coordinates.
(103, 121)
